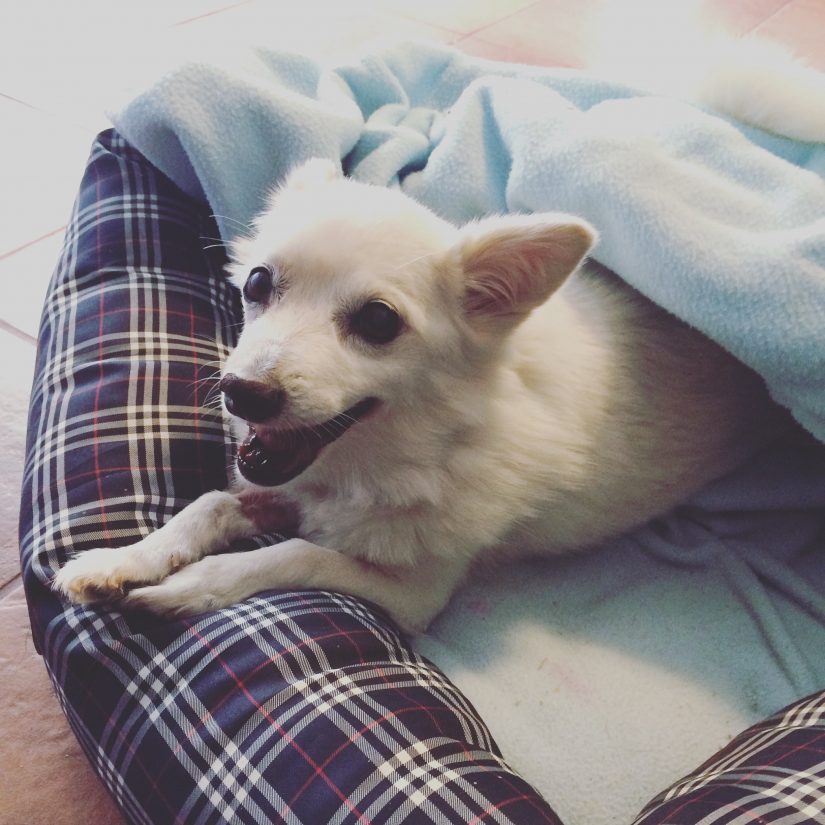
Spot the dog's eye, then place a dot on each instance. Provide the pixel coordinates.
(376, 322)
(258, 286)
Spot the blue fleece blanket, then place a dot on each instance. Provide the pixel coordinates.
(722, 224)
(634, 669)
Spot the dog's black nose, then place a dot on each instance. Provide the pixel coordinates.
(251, 400)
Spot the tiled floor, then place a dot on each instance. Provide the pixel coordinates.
(60, 63)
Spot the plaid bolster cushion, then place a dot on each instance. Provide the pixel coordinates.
(774, 772)
(291, 707)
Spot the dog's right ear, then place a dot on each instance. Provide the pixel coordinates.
(312, 173)
(514, 263)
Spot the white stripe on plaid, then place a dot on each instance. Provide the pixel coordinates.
(772, 773)
(415, 776)
(808, 713)
(157, 694)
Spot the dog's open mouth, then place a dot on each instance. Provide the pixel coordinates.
(274, 457)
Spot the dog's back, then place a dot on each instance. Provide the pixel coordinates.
(645, 411)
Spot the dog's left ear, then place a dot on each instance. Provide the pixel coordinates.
(514, 263)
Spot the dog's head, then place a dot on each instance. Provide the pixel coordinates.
(360, 302)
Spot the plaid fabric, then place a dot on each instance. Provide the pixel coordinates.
(774, 772)
(292, 707)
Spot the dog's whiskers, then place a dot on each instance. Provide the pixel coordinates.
(247, 228)
(216, 364)
(343, 422)
(317, 431)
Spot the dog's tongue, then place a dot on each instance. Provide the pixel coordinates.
(277, 461)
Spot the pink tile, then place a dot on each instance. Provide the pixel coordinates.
(738, 16)
(551, 32)
(477, 47)
(799, 25)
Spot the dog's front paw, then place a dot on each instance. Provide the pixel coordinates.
(195, 589)
(101, 575)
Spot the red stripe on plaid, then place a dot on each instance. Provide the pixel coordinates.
(282, 731)
(264, 664)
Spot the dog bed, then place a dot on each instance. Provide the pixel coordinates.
(603, 677)
(299, 707)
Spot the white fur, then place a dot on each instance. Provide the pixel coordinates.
(521, 410)
(667, 48)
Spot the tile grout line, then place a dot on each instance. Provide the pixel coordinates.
(492, 23)
(754, 29)
(21, 102)
(463, 35)
(26, 245)
(210, 13)
(11, 585)
(18, 333)
(457, 35)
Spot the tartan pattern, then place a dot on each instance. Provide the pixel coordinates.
(774, 772)
(303, 707)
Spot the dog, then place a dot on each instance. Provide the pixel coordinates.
(414, 398)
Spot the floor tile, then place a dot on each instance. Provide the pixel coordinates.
(44, 776)
(738, 16)
(332, 32)
(112, 45)
(41, 163)
(477, 47)
(458, 15)
(181, 12)
(18, 366)
(24, 276)
(42, 66)
(551, 32)
(800, 25)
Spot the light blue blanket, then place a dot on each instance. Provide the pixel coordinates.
(638, 662)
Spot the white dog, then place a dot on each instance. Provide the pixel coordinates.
(414, 397)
